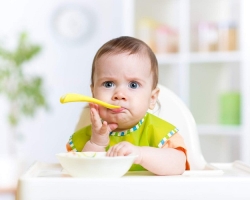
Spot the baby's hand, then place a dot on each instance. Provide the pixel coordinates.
(100, 130)
(124, 149)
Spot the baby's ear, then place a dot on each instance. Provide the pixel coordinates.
(154, 97)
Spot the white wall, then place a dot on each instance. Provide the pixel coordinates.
(65, 67)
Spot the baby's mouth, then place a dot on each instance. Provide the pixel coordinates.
(117, 110)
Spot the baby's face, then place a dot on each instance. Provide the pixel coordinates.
(124, 80)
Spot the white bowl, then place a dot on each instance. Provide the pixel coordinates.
(95, 164)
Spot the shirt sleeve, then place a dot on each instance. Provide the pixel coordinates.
(177, 142)
(68, 147)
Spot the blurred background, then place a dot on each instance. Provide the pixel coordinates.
(47, 47)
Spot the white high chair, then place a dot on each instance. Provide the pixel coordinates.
(45, 181)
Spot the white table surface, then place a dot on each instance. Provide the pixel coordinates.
(229, 181)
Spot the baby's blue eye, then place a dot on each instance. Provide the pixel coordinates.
(108, 84)
(133, 85)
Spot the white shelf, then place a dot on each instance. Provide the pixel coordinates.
(197, 77)
(230, 130)
(211, 57)
(164, 59)
(215, 57)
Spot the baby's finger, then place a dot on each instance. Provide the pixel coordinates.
(117, 150)
(111, 151)
(95, 106)
(112, 126)
(104, 128)
(95, 118)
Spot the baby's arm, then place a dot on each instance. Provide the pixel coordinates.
(160, 161)
(100, 131)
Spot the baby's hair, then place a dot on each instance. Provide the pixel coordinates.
(131, 46)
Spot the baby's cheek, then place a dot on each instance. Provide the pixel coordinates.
(103, 113)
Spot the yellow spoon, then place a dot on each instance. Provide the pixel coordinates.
(71, 97)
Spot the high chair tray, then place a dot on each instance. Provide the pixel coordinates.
(228, 181)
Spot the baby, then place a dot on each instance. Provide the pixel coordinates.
(125, 73)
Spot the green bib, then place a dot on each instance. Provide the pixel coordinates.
(150, 131)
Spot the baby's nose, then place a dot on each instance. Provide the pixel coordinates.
(119, 96)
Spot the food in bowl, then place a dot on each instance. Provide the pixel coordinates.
(95, 164)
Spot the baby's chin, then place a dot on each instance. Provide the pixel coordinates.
(125, 126)
(122, 125)
(124, 121)
(122, 128)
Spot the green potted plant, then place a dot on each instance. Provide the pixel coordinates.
(24, 92)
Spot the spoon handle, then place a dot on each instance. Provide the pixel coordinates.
(72, 97)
